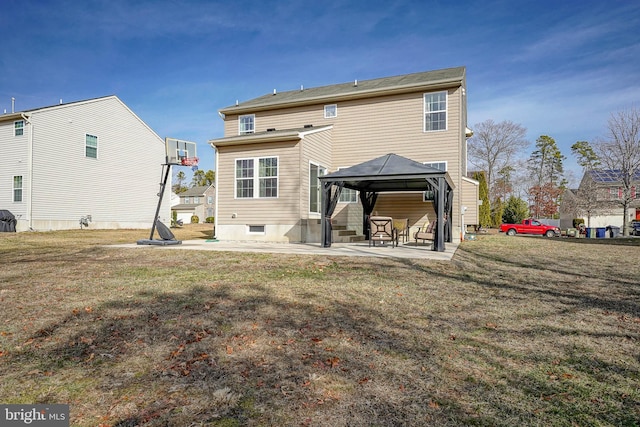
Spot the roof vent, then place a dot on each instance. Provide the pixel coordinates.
(301, 88)
(308, 126)
(236, 102)
(355, 83)
(271, 129)
(274, 91)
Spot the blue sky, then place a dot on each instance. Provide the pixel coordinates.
(558, 68)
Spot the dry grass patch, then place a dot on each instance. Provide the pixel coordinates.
(513, 331)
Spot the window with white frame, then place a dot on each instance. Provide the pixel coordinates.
(196, 200)
(209, 200)
(437, 165)
(247, 124)
(330, 111)
(429, 195)
(315, 188)
(348, 195)
(265, 178)
(17, 188)
(187, 200)
(435, 111)
(91, 146)
(18, 128)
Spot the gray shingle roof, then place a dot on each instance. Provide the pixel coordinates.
(195, 191)
(352, 90)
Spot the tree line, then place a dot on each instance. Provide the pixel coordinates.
(200, 178)
(513, 186)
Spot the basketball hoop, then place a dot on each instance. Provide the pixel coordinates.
(189, 161)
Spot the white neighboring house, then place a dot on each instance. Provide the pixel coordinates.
(92, 158)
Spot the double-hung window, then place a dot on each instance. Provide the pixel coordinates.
(264, 177)
(247, 124)
(315, 188)
(18, 128)
(17, 188)
(91, 146)
(435, 111)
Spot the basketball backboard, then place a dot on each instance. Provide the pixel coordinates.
(178, 150)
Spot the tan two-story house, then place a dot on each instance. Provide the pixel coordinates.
(276, 146)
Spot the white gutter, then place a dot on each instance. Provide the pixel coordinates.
(29, 169)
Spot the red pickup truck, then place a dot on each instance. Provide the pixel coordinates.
(530, 226)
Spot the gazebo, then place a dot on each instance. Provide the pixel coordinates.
(389, 173)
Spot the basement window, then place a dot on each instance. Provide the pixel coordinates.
(256, 229)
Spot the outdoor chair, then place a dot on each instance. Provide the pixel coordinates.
(402, 228)
(426, 232)
(381, 230)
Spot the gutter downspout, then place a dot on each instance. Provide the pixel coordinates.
(27, 120)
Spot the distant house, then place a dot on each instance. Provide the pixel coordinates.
(199, 201)
(598, 200)
(93, 161)
(275, 148)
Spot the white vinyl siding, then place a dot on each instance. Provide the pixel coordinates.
(435, 111)
(131, 155)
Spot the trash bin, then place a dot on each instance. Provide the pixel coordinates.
(600, 232)
(591, 233)
(613, 230)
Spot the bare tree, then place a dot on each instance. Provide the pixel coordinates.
(494, 146)
(619, 152)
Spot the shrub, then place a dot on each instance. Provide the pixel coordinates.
(210, 219)
(515, 210)
(195, 219)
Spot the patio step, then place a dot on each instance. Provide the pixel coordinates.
(340, 234)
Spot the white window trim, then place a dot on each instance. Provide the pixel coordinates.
(14, 188)
(242, 131)
(87, 145)
(15, 129)
(446, 164)
(311, 213)
(424, 111)
(326, 116)
(356, 192)
(256, 178)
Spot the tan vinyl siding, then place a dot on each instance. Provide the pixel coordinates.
(281, 210)
(469, 198)
(364, 128)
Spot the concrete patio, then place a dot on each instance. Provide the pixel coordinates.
(407, 250)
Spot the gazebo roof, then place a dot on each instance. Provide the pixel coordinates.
(388, 173)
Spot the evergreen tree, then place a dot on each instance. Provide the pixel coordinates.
(515, 210)
(484, 210)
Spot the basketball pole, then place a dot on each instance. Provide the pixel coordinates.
(166, 169)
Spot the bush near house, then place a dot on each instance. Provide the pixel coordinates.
(195, 219)
(210, 219)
